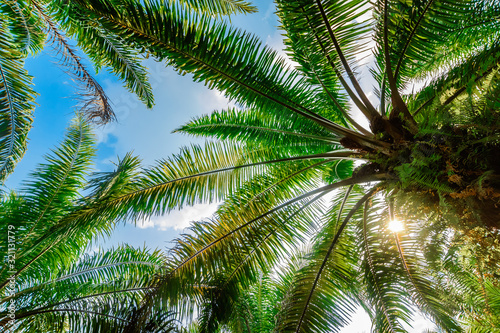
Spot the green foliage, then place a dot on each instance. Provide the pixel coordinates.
(16, 104)
(298, 119)
(338, 170)
(219, 7)
(59, 284)
(281, 164)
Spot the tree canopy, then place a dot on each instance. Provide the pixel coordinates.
(295, 170)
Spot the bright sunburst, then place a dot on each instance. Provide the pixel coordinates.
(396, 225)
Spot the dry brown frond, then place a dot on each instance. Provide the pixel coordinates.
(93, 101)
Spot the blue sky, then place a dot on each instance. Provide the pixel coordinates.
(145, 132)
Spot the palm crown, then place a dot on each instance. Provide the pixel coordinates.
(429, 158)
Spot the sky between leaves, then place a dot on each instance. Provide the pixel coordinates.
(145, 132)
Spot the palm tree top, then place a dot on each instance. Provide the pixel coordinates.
(429, 157)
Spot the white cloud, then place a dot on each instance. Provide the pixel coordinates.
(360, 323)
(179, 219)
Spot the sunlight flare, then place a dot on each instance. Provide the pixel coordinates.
(396, 225)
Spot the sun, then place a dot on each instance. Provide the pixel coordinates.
(396, 225)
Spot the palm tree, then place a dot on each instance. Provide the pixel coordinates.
(27, 26)
(49, 280)
(429, 158)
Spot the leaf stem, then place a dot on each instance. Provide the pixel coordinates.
(371, 110)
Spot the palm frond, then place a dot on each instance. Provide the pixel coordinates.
(262, 127)
(108, 50)
(424, 290)
(220, 7)
(94, 102)
(105, 48)
(103, 272)
(459, 80)
(51, 193)
(221, 242)
(94, 293)
(197, 175)
(23, 26)
(385, 295)
(16, 107)
(427, 34)
(326, 285)
(325, 37)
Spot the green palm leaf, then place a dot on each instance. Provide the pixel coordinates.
(220, 7)
(458, 81)
(324, 283)
(428, 33)
(424, 291)
(23, 25)
(16, 106)
(54, 187)
(380, 276)
(197, 175)
(98, 290)
(325, 37)
(230, 233)
(58, 286)
(105, 48)
(258, 127)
